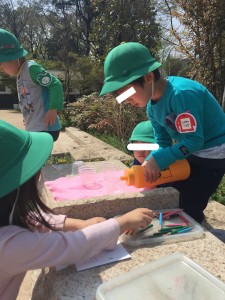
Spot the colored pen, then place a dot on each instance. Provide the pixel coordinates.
(171, 228)
(172, 216)
(148, 227)
(172, 213)
(166, 230)
(185, 230)
(176, 225)
(160, 219)
(174, 231)
(158, 234)
(183, 219)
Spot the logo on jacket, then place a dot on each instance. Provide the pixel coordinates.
(185, 122)
(44, 78)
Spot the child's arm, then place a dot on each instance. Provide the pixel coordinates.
(139, 217)
(77, 224)
(62, 223)
(50, 117)
(35, 250)
(43, 78)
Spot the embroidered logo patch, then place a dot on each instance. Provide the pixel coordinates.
(185, 122)
(44, 78)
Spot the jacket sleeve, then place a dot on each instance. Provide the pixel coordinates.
(190, 140)
(22, 250)
(43, 78)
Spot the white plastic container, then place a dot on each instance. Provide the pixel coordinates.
(75, 167)
(87, 176)
(142, 239)
(175, 277)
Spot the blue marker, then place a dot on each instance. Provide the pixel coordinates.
(160, 218)
(185, 230)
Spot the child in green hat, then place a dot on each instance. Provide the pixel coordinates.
(31, 235)
(40, 93)
(142, 135)
(180, 109)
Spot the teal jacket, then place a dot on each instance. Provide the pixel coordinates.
(189, 114)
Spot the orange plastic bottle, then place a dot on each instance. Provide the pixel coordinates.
(180, 170)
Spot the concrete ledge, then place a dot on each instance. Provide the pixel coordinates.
(109, 205)
(88, 147)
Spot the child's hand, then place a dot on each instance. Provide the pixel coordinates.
(139, 217)
(152, 171)
(50, 117)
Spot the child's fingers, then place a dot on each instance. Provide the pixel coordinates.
(148, 219)
(146, 211)
(129, 231)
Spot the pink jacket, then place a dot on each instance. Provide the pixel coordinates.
(22, 250)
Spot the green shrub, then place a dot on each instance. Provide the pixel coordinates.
(219, 195)
(103, 115)
(66, 118)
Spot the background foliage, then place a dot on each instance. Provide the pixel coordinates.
(188, 36)
(103, 115)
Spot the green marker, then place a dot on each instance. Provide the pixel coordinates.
(170, 228)
(148, 227)
(158, 234)
(177, 230)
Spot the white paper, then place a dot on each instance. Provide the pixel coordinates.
(105, 257)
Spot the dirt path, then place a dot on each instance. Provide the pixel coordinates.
(13, 117)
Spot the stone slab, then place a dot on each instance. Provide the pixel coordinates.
(90, 148)
(68, 284)
(108, 205)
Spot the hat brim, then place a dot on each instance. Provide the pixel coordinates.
(39, 150)
(115, 84)
(12, 56)
(142, 139)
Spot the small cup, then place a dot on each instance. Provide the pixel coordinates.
(109, 170)
(111, 178)
(87, 176)
(75, 167)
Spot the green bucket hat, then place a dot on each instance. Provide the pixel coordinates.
(126, 63)
(10, 47)
(143, 132)
(21, 155)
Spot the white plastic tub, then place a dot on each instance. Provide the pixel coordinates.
(175, 277)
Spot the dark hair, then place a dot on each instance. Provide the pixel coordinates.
(141, 80)
(28, 209)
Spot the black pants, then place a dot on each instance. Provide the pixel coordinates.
(54, 134)
(203, 181)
